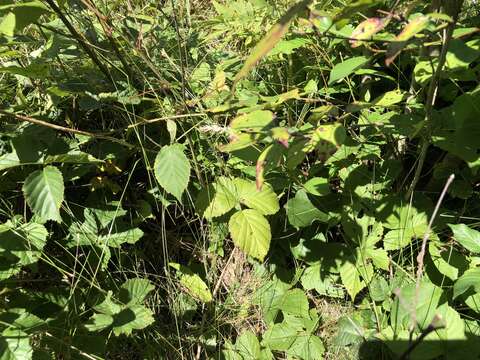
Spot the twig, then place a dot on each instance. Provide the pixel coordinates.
(31, 120)
(432, 327)
(165, 118)
(426, 236)
(80, 39)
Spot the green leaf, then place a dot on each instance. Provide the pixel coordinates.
(15, 345)
(135, 317)
(248, 346)
(345, 68)
(43, 190)
(379, 289)
(217, 199)
(312, 278)
(172, 169)
(134, 291)
(469, 280)
(447, 261)
(301, 212)
(19, 246)
(350, 275)
(193, 283)
(295, 302)
(255, 121)
(307, 346)
(250, 231)
(19, 15)
(317, 186)
(264, 200)
(467, 237)
(279, 337)
(424, 305)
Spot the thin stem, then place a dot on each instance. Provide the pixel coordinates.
(80, 39)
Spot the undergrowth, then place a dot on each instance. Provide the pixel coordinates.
(241, 179)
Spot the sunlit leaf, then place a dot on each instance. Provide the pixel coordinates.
(43, 190)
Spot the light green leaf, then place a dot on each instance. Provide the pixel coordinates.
(116, 239)
(193, 283)
(345, 68)
(350, 275)
(407, 302)
(20, 246)
(265, 200)
(317, 186)
(279, 337)
(307, 346)
(217, 199)
(134, 291)
(301, 212)
(43, 190)
(467, 237)
(15, 345)
(20, 15)
(447, 261)
(76, 157)
(295, 302)
(255, 121)
(250, 231)
(469, 279)
(248, 346)
(325, 285)
(172, 169)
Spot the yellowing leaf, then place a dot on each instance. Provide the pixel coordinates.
(250, 231)
(365, 30)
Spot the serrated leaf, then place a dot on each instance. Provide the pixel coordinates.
(250, 231)
(255, 121)
(467, 237)
(279, 337)
(295, 302)
(217, 199)
(172, 169)
(193, 283)
(20, 246)
(307, 346)
(134, 291)
(350, 275)
(43, 190)
(248, 346)
(264, 200)
(346, 68)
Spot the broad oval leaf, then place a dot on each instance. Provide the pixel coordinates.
(172, 169)
(250, 231)
(43, 190)
(467, 237)
(345, 68)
